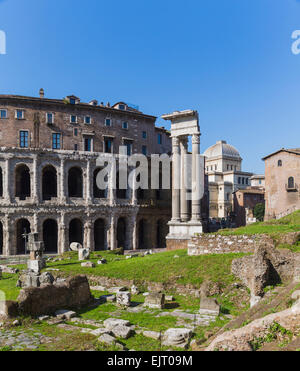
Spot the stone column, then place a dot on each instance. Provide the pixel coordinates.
(35, 180)
(134, 233)
(89, 196)
(63, 245)
(8, 235)
(88, 235)
(112, 233)
(112, 184)
(7, 182)
(176, 180)
(196, 201)
(63, 196)
(184, 212)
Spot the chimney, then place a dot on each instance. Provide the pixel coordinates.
(42, 93)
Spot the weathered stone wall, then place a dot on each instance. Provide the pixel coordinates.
(74, 293)
(217, 244)
(177, 244)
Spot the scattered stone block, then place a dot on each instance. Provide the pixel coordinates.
(110, 323)
(114, 290)
(109, 298)
(209, 306)
(152, 335)
(177, 337)
(169, 298)
(43, 318)
(6, 269)
(75, 246)
(65, 314)
(46, 278)
(88, 265)
(155, 300)
(83, 254)
(107, 339)
(100, 331)
(102, 261)
(134, 290)
(296, 295)
(98, 288)
(122, 331)
(123, 298)
(8, 308)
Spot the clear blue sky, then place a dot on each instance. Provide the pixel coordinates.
(229, 59)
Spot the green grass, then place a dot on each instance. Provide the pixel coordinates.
(8, 286)
(290, 223)
(162, 267)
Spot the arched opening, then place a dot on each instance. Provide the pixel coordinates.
(1, 238)
(76, 231)
(121, 233)
(99, 234)
(50, 236)
(121, 193)
(144, 235)
(23, 227)
(49, 183)
(22, 182)
(1, 182)
(291, 183)
(75, 182)
(98, 193)
(161, 234)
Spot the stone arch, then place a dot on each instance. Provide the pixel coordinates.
(122, 232)
(22, 182)
(161, 234)
(50, 236)
(144, 237)
(49, 182)
(98, 193)
(75, 182)
(121, 193)
(99, 234)
(76, 231)
(22, 226)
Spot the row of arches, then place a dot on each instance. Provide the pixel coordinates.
(74, 183)
(76, 234)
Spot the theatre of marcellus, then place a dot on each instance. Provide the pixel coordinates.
(48, 170)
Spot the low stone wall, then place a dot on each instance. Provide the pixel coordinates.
(218, 244)
(73, 293)
(177, 244)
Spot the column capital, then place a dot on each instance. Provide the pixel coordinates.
(175, 141)
(196, 139)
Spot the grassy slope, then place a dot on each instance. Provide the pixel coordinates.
(290, 223)
(162, 267)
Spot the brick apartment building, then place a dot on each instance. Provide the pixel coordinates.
(282, 182)
(48, 171)
(245, 201)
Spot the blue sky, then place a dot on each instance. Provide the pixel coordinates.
(229, 59)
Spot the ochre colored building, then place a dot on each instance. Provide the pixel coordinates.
(282, 179)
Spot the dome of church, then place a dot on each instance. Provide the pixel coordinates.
(221, 148)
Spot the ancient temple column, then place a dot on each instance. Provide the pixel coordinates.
(184, 212)
(63, 197)
(8, 234)
(176, 169)
(196, 201)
